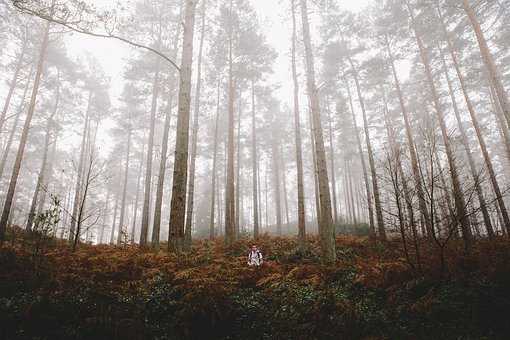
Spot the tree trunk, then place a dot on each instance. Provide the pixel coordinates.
(148, 166)
(24, 135)
(238, 170)
(230, 185)
(494, 74)
(375, 185)
(215, 161)
(276, 186)
(297, 132)
(194, 139)
(180, 174)
(254, 158)
(79, 170)
(124, 190)
(332, 164)
(116, 207)
(135, 207)
(326, 224)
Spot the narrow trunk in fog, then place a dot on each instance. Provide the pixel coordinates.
(144, 231)
(137, 197)
(326, 224)
(276, 185)
(333, 168)
(214, 165)
(24, 135)
(194, 139)
(79, 170)
(124, 190)
(297, 133)
(254, 159)
(180, 174)
(229, 185)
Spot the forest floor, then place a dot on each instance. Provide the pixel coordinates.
(107, 292)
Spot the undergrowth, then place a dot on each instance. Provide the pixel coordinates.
(106, 292)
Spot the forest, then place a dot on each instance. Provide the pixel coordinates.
(254, 169)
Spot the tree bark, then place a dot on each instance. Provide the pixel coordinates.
(327, 236)
(79, 170)
(148, 166)
(156, 225)
(124, 190)
(194, 139)
(230, 185)
(214, 166)
(254, 158)
(297, 132)
(180, 174)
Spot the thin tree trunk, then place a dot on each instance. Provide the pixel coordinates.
(215, 161)
(148, 166)
(124, 190)
(180, 175)
(238, 169)
(116, 207)
(194, 139)
(326, 223)
(254, 158)
(24, 135)
(79, 170)
(297, 132)
(230, 185)
(332, 165)
(135, 208)
(276, 186)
